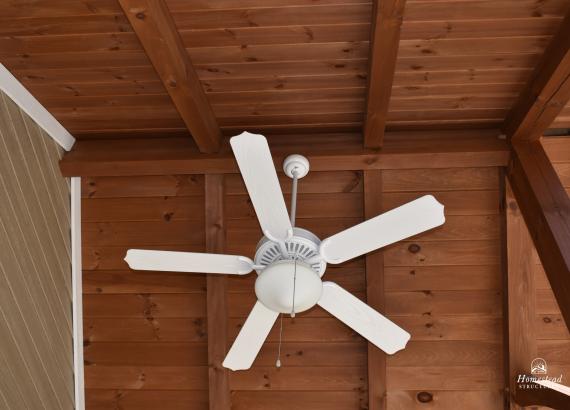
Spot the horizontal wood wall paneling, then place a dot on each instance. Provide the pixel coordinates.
(300, 379)
(102, 399)
(131, 282)
(323, 400)
(148, 329)
(410, 399)
(557, 149)
(476, 277)
(122, 307)
(157, 209)
(486, 378)
(146, 378)
(421, 289)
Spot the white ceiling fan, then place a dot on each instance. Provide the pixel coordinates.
(290, 261)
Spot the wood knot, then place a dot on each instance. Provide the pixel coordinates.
(546, 319)
(140, 15)
(424, 397)
(414, 248)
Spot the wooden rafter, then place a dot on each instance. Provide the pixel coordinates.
(375, 293)
(545, 207)
(385, 39)
(547, 92)
(219, 391)
(157, 32)
(171, 156)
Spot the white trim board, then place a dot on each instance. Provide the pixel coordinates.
(77, 293)
(28, 103)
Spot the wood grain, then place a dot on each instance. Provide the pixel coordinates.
(521, 289)
(547, 92)
(387, 19)
(219, 390)
(159, 36)
(168, 156)
(375, 291)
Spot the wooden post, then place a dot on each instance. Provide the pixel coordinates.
(520, 294)
(545, 207)
(219, 391)
(375, 293)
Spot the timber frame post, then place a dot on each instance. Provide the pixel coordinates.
(538, 196)
(216, 304)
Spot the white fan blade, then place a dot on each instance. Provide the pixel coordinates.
(257, 169)
(357, 315)
(250, 338)
(140, 259)
(400, 223)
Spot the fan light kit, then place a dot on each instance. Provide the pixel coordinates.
(291, 261)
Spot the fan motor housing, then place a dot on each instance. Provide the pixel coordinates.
(302, 246)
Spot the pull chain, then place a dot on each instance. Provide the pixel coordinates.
(294, 287)
(278, 362)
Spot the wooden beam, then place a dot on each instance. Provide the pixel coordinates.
(545, 207)
(385, 41)
(375, 293)
(219, 390)
(546, 93)
(520, 294)
(155, 28)
(170, 156)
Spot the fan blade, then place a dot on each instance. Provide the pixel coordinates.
(250, 338)
(140, 259)
(257, 169)
(400, 223)
(357, 315)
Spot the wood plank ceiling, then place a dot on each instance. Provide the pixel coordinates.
(279, 65)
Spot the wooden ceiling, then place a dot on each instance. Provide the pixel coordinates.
(279, 65)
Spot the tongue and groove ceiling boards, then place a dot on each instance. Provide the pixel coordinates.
(276, 65)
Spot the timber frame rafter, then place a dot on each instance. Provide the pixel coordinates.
(155, 29)
(385, 41)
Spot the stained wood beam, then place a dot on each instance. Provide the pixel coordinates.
(155, 28)
(375, 293)
(520, 295)
(219, 390)
(546, 93)
(545, 207)
(385, 40)
(170, 156)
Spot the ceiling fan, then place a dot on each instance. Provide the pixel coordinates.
(290, 261)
